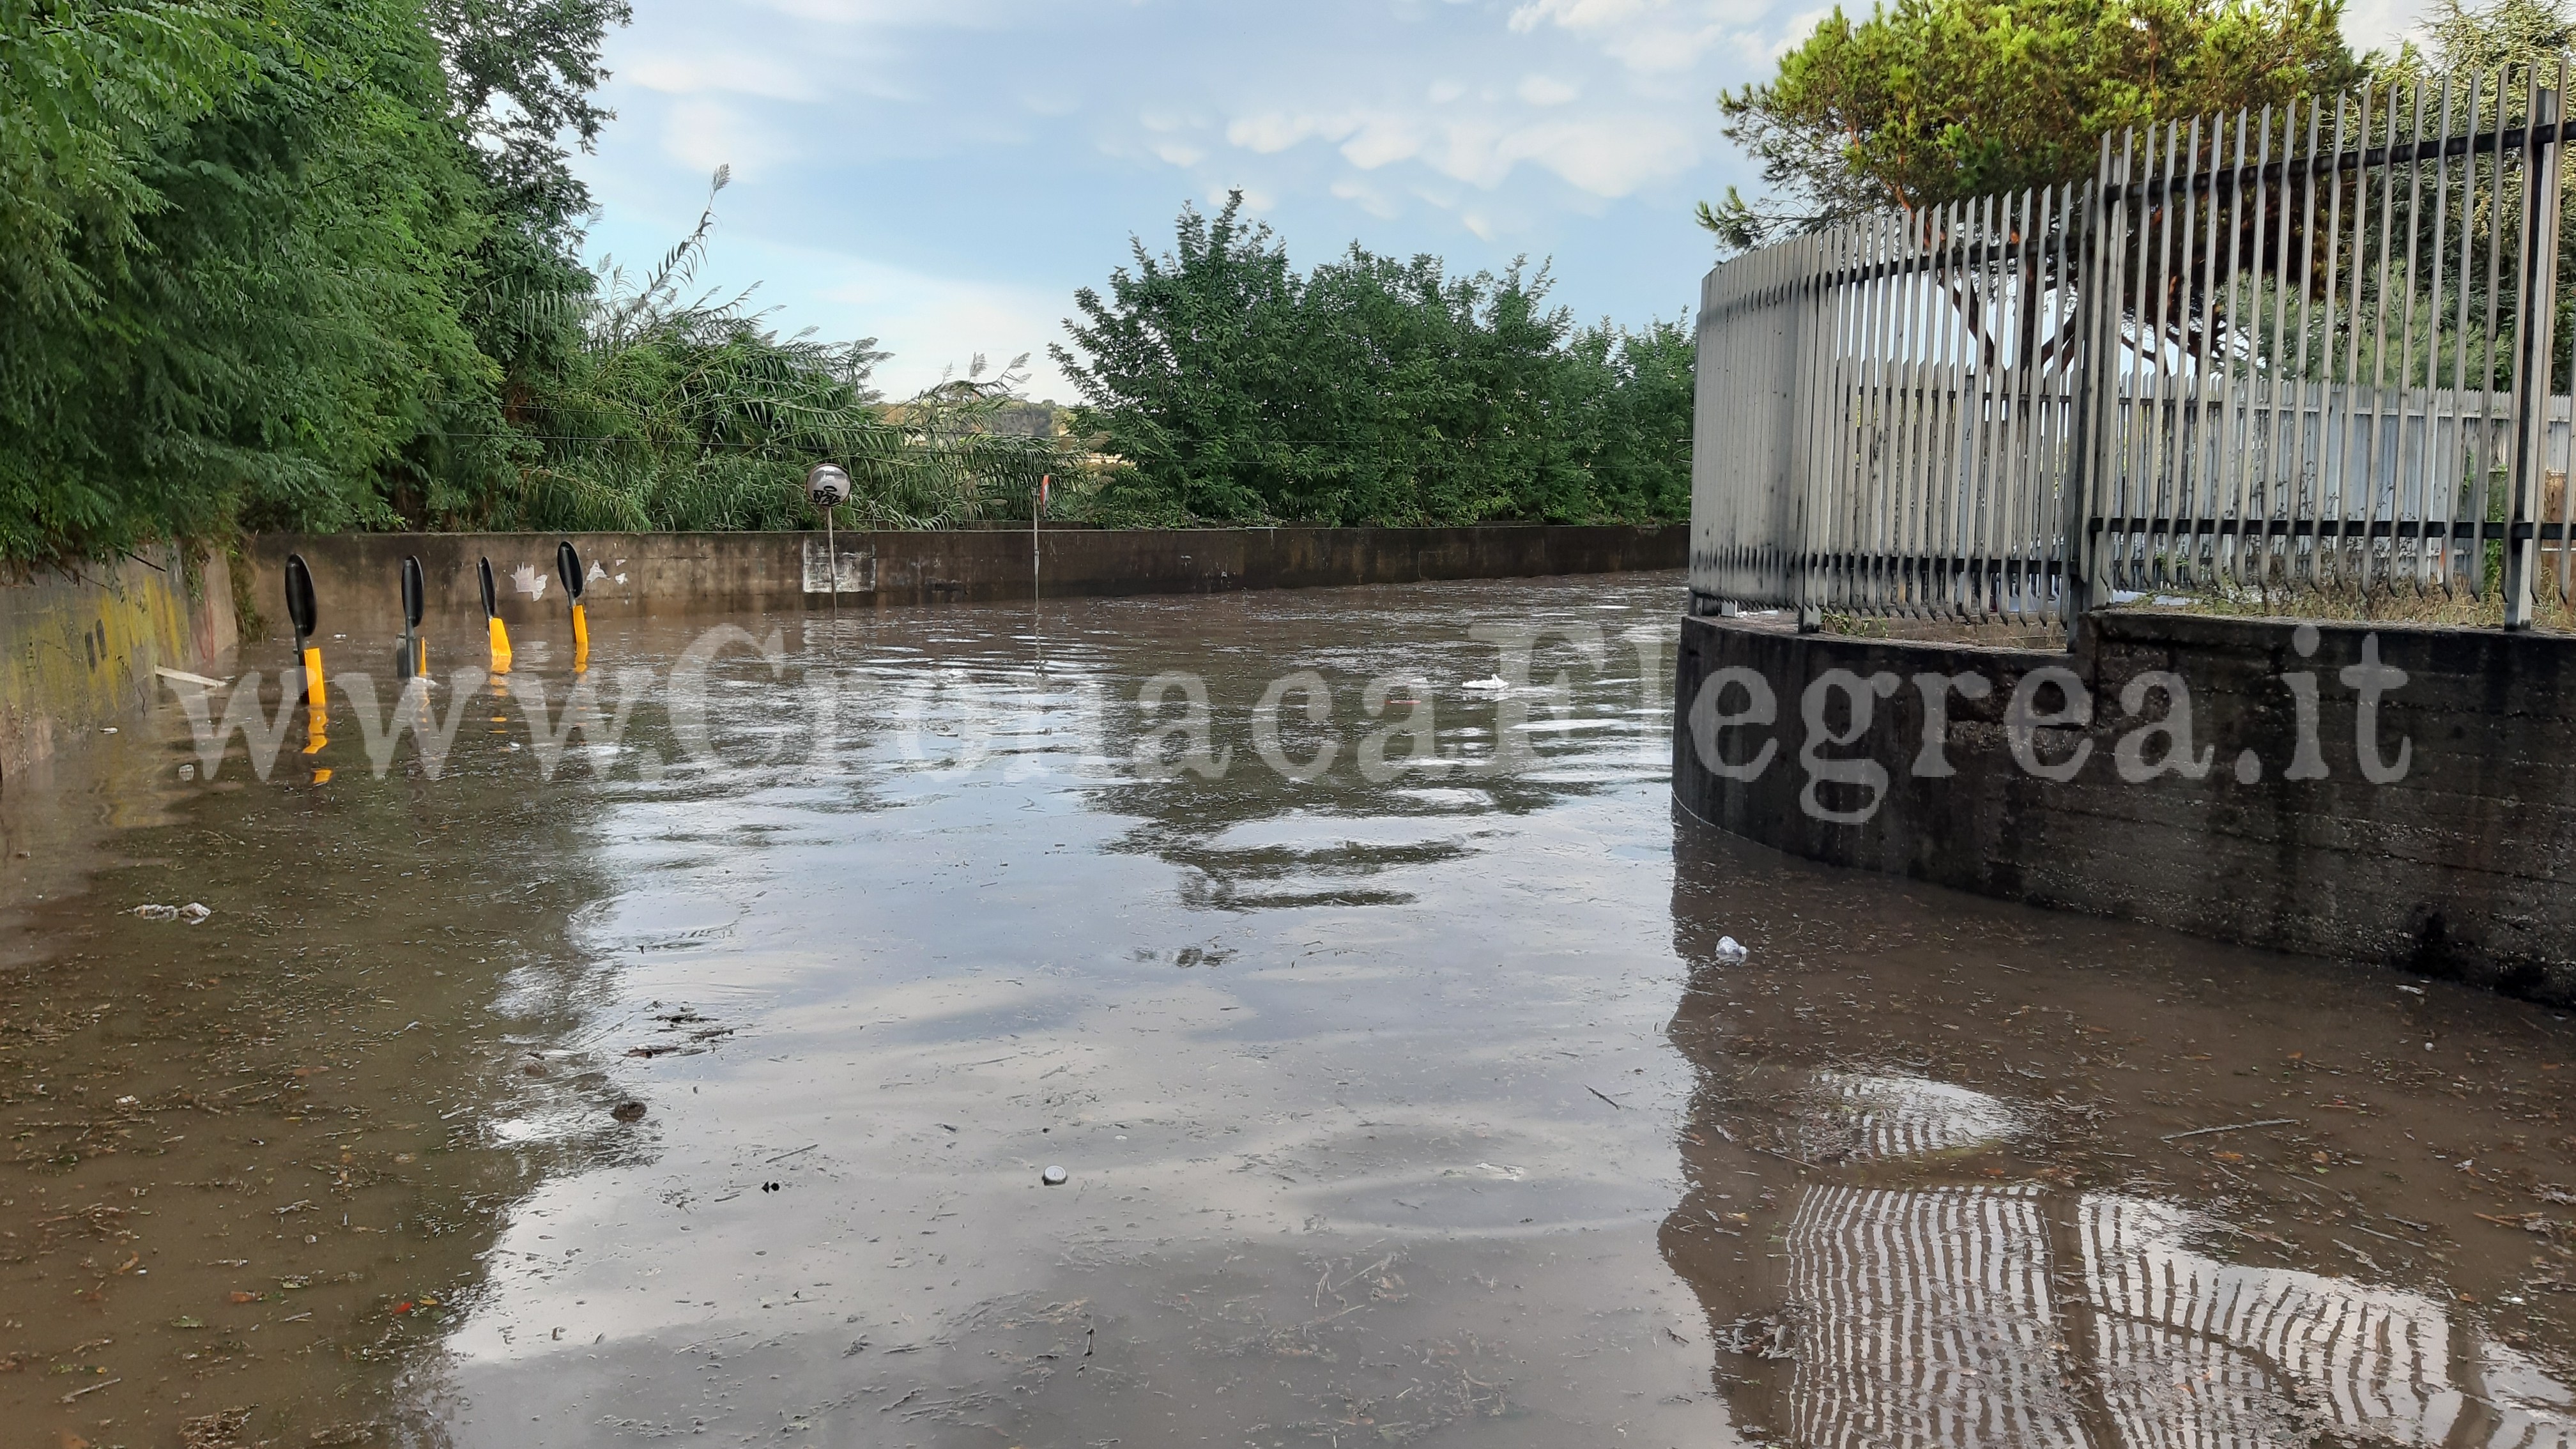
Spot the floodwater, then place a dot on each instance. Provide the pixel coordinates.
(701, 1084)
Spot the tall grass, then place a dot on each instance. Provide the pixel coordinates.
(682, 410)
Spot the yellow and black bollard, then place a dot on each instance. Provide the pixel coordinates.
(300, 612)
(413, 660)
(568, 569)
(492, 617)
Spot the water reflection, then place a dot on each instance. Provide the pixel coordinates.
(1908, 1234)
(1927, 1317)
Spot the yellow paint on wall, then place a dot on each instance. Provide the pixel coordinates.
(78, 649)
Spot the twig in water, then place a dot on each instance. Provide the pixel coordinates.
(1604, 1096)
(2232, 1127)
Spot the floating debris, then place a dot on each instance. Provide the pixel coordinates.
(1055, 1177)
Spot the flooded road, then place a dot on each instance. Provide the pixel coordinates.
(700, 1081)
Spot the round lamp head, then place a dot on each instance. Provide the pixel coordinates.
(828, 486)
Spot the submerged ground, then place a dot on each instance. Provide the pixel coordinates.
(701, 1084)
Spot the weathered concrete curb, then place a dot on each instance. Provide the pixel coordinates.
(78, 649)
(2460, 867)
(355, 575)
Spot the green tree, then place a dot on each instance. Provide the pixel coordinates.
(240, 294)
(1931, 101)
(1372, 390)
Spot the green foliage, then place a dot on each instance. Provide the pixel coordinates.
(313, 264)
(236, 242)
(1938, 100)
(1370, 391)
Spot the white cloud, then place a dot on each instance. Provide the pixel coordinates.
(739, 74)
(1610, 155)
(1360, 192)
(2381, 24)
(1647, 36)
(1274, 131)
(897, 14)
(1383, 141)
(704, 134)
(1540, 90)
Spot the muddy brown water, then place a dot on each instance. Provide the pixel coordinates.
(1422, 1110)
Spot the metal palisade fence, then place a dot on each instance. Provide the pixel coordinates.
(2301, 357)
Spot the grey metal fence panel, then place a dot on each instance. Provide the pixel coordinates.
(2277, 354)
(1887, 414)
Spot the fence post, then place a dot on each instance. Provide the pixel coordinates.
(2535, 313)
(1797, 380)
(2093, 354)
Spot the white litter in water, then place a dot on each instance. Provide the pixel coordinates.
(1730, 949)
(1054, 1177)
(193, 913)
(1493, 682)
(157, 913)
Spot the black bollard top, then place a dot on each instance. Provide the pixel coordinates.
(415, 592)
(299, 596)
(568, 568)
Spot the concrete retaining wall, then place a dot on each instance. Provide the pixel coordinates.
(2444, 843)
(355, 575)
(78, 650)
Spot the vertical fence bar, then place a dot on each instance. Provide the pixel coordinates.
(2301, 480)
(2372, 437)
(1905, 404)
(2483, 456)
(2552, 224)
(2248, 544)
(1905, 300)
(2096, 371)
(2065, 467)
(2406, 491)
(2323, 489)
(2226, 503)
(1992, 305)
(2208, 367)
(2448, 449)
(2021, 408)
(2535, 285)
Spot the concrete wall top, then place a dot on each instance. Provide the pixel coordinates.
(356, 576)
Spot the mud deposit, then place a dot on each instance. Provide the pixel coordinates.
(702, 1083)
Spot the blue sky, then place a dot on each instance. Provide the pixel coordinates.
(941, 174)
